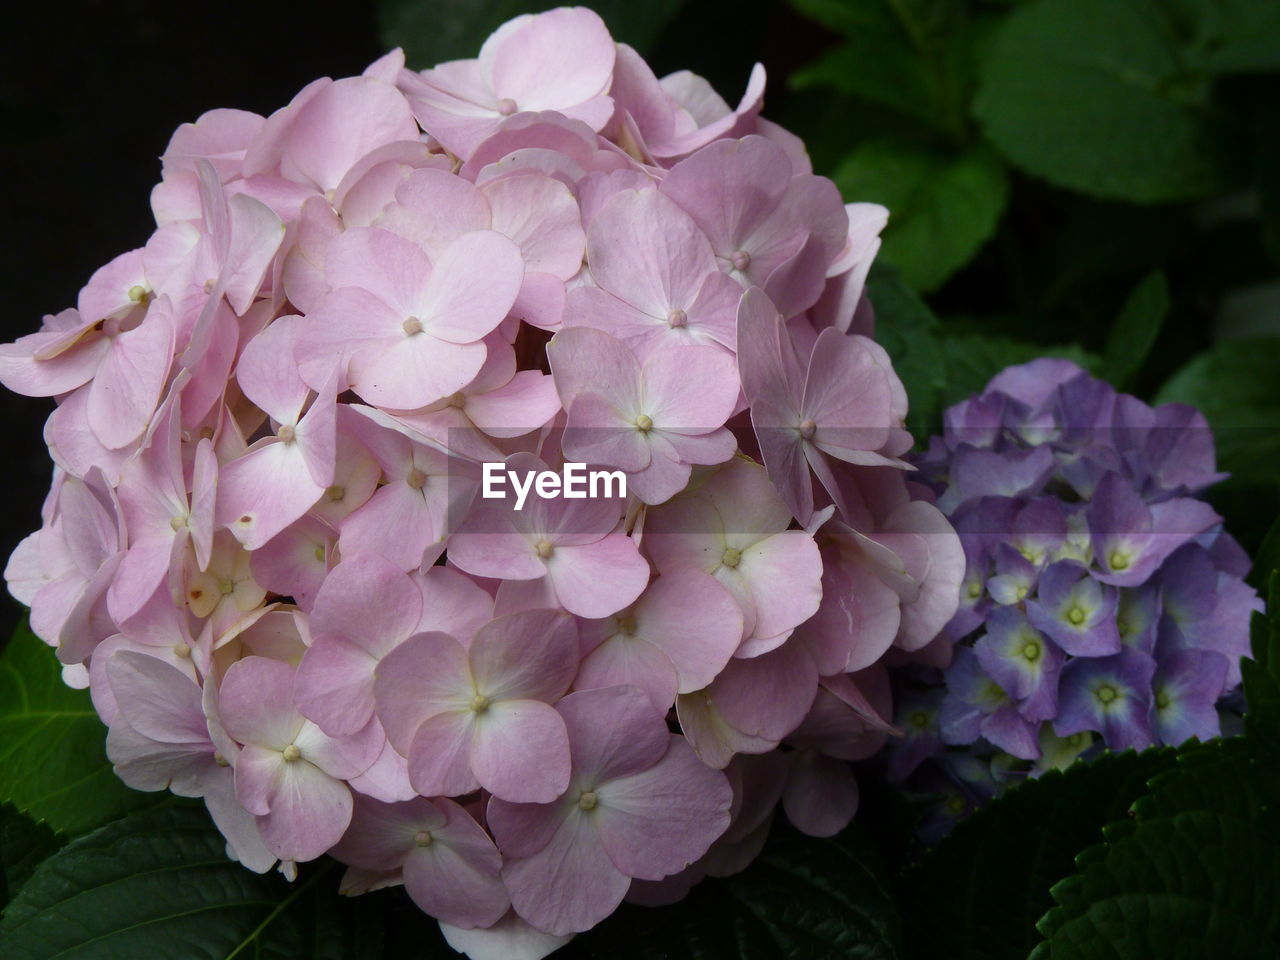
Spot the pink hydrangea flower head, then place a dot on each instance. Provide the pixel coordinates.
(273, 552)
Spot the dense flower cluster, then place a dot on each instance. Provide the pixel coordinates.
(267, 550)
(1102, 603)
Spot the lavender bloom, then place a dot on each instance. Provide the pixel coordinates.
(1103, 605)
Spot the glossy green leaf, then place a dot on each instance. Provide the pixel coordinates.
(803, 899)
(1095, 95)
(1135, 330)
(23, 844)
(943, 205)
(158, 884)
(1236, 386)
(53, 763)
(978, 894)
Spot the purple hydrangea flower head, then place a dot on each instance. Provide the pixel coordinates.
(1103, 605)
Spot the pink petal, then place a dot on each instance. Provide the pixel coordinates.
(525, 60)
(694, 620)
(425, 675)
(530, 655)
(784, 573)
(821, 796)
(570, 885)
(645, 250)
(457, 876)
(335, 684)
(127, 387)
(541, 216)
(594, 580)
(631, 660)
(256, 703)
(440, 757)
(264, 491)
(368, 600)
(310, 811)
(473, 284)
(520, 751)
(656, 822)
(614, 732)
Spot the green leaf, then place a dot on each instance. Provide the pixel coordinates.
(803, 899)
(1236, 387)
(1233, 36)
(1134, 333)
(23, 844)
(943, 205)
(1193, 885)
(912, 56)
(158, 884)
(53, 763)
(908, 330)
(433, 31)
(1266, 559)
(979, 893)
(1195, 873)
(1094, 95)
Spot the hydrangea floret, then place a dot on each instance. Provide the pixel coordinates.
(266, 553)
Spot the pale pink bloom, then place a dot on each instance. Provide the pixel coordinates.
(218, 136)
(560, 60)
(671, 118)
(767, 227)
(69, 566)
(356, 473)
(655, 275)
(500, 403)
(161, 630)
(295, 562)
(537, 213)
(509, 939)
(125, 361)
(163, 512)
(478, 715)
(734, 526)
(281, 476)
(409, 332)
(840, 404)
(654, 419)
(289, 775)
(451, 868)
(425, 488)
(750, 706)
(162, 739)
(573, 552)
(224, 593)
(675, 639)
(639, 804)
(329, 126)
(366, 608)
